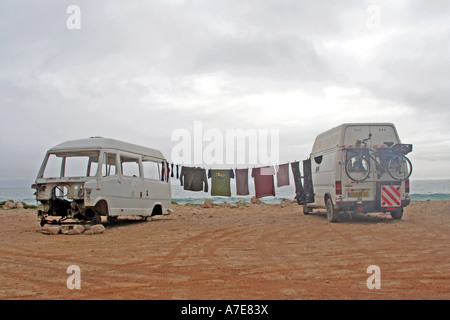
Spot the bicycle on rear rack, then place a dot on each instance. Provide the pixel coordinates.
(391, 160)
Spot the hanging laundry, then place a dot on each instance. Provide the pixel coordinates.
(283, 175)
(178, 171)
(309, 191)
(264, 185)
(165, 167)
(242, 182)
(168, 172)
(171, 174)
(193, 178)
(300, 194)
(220, 182)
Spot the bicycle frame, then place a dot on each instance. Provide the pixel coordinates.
(380, 159)
(385, 160)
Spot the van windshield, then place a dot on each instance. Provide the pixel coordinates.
(80, 164)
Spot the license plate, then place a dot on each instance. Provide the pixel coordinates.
(358, 194)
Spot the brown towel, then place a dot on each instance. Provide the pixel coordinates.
(242, 182)
(264, 185)
(283, 175)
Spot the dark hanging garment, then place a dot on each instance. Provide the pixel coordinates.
(171, 174)
(242, 182)
(300, 194)
(283, 175)
(264, 185)
(194, 179)
(178, 172)
(168, 171)
(307, 180)
(220, 182)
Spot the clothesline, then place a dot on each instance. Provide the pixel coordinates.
(196, 179)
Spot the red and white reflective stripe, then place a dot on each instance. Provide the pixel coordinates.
(390, 196)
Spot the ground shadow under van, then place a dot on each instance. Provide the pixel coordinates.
(126, 221)
(377, 217)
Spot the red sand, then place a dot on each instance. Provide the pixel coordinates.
(256, 251)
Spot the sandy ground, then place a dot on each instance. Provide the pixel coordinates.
(256, 251)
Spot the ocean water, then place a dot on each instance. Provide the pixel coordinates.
(19, 194)
(421, 190)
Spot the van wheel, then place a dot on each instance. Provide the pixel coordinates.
(112, 219)
(307, 210)
(397, 214)
(331, 213)
(93, 216)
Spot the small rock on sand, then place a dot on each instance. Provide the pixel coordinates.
(255, 200)
(78, 228)
(98, 228)
(285, 203)
(9, 204)
(72, 232)
(208, 204)
(49, 229)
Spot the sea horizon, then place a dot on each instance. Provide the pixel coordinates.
(421, 190)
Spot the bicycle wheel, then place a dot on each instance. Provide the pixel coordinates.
(399, 167)
(357, 167)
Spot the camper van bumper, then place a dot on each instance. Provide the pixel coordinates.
(368, 206)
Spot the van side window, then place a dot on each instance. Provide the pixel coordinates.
(92, 167)
(53, 167)
(80, 164)
(151, 170)
(76, 166)
(130, 166)
(109, 164)
(318, 159)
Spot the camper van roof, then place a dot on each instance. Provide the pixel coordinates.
(341, 127)
(97, 143)
(335, 136)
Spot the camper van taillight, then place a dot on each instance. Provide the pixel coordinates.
(407, 186)
(338, 188)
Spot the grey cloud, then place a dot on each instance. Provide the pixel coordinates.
(131, 72)
(289, 58)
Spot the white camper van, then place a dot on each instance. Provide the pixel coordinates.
(359, 167)
(85, 179)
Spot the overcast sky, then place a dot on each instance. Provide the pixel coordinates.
(138, 70)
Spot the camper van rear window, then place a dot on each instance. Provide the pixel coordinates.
(318, 159)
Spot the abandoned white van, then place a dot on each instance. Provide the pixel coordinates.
(86, 179)
(359, 167)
